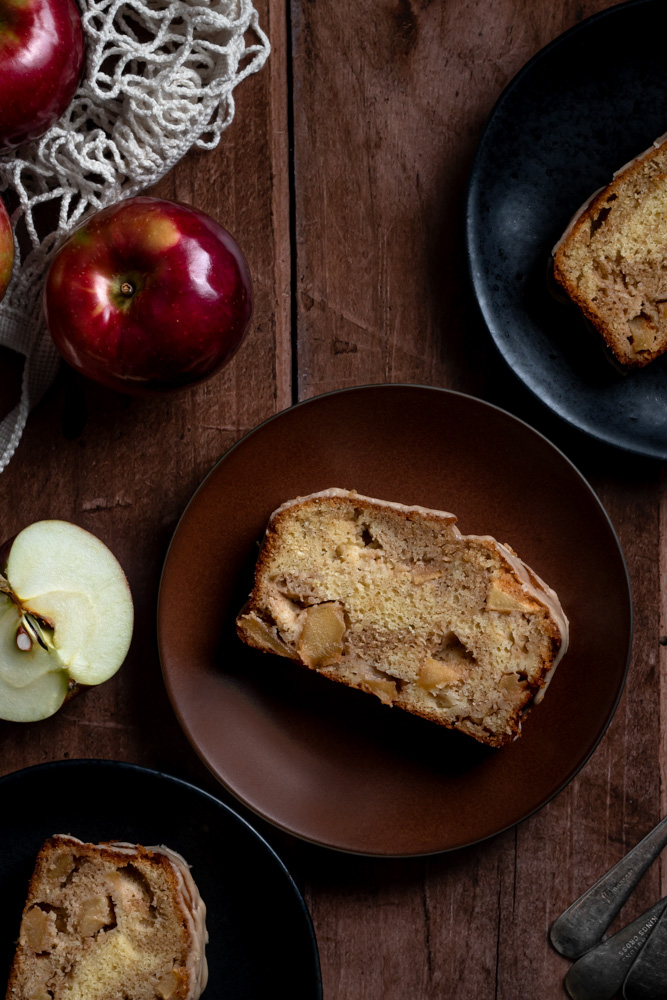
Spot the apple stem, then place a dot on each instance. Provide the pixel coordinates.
(127, 289)
(23, 640)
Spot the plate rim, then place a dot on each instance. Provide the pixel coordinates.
(152, 773)
(480, 290)
(614, 535)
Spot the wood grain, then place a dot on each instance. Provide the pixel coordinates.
(385, 132)
(382, 294)
(124, 468)
(343, 177)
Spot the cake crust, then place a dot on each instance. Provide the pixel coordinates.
(107, 921)
(610, 259)
(427, 660)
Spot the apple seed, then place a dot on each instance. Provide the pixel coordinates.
(23, 640)
(35, 630)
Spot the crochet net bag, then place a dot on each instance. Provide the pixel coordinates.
(159, 79)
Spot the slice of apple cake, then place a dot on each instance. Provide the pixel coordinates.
(394, 600)
(110, 922)
(611, 259)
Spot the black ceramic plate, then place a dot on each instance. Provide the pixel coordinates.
(260, 931)
(585, 105)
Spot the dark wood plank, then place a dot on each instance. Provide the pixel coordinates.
(382, 295)
(389, 102)
(389, 99)
(125, 468)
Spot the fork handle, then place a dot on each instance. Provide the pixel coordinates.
(582, 925)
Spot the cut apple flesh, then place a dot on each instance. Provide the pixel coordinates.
(33, 684)
(67, 577)
(73, 617)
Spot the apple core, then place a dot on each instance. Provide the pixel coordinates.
(66, 618)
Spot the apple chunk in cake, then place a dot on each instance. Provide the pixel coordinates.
(110, 922)
(611, 259)
(395, 601)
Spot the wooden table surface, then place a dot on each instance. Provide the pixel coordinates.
(343, 177)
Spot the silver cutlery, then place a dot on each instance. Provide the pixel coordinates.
(647, 979)
(582, 925)
(599, 974)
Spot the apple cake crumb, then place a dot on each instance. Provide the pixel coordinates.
(393, 600)
(611, 260)
(109, 922)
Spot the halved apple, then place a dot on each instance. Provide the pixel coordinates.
(66, 618)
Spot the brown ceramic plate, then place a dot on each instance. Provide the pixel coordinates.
(333, 765)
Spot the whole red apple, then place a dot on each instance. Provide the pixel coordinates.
(6, 249)
(41, 55)
(148, 295)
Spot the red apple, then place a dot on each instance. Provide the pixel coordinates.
(148, 295)
(41, 55)
(6, 249)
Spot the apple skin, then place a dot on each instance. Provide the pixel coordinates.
(66, 618)
(41, 57)
(6, 249)
(148, 295)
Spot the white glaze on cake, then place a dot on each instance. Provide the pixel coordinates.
(194, 910)
(589, 201)
(335, 491)
(536, 589)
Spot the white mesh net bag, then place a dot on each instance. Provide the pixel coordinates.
(159, 79)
